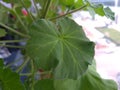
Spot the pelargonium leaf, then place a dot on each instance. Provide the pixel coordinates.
(63, 48)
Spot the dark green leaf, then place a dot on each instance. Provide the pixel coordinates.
(109, 13)
(70, 47)
(10, 80)
(45, 84)
(2, 33)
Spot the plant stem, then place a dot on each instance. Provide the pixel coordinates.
(68, 13)
(25, 74)
(11, 41)
(11, 46)
(10, 64)
(31, 16)
(32, 75)
(13, 30)
(23, 65)
(36, 8)
(17, 15)
(47, 8)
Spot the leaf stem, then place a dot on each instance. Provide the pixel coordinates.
(10, 64)
(13, 30)
(32, 75)
(11, 46)
(68, 13)
(17, 15)
(11, 41)
(47, 8)
(25, 74)
(36, 8)
(23, 65)
(31, 16)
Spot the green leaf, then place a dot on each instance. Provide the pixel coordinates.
(65, 43)
(79, 3)
(99, 9)
(67, 2)
(2, 33)
(45, 84)
(95, 9)
(9, 80)
(89, 81)
(109, 13)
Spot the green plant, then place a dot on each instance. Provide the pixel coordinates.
(57, 52)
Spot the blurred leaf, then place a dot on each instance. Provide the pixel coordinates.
(70, 47)
(9, 80)
(45, 84)
(2, 33)
(109, 13)
(91, 11)
(99, 9)
(89, 81)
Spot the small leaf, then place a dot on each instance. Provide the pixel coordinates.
(45, 84)
(64, 49)
(109, 13)
(99, 9)
(2, 33)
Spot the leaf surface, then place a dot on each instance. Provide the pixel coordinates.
(45, 84)
(65, 48)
